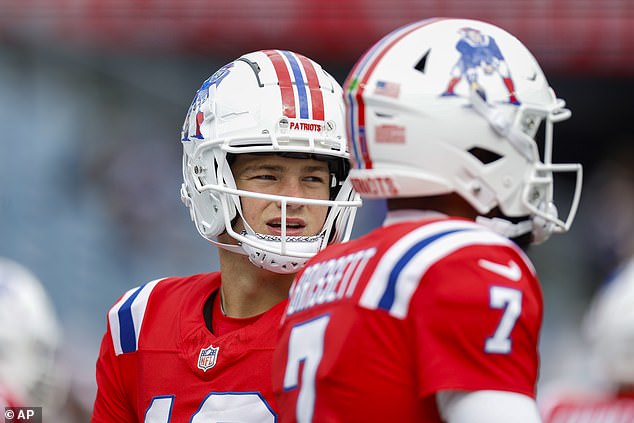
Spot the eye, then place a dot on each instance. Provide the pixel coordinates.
(264, 176)
(318, 176)
(315, 178)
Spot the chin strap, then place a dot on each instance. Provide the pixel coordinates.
(276, 262)
(505, 227)
(538, 226)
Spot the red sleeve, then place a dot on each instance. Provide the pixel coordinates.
(478, 329)
(110, 405)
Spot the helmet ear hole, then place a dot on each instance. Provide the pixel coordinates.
(484, 155)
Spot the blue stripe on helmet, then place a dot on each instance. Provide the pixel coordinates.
(299, 83)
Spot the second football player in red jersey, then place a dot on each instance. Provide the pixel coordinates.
(435, 317)
(264, 166)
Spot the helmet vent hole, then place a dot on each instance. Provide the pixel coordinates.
(483, 155)
(420, 66)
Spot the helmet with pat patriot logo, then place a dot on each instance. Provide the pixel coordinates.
(454, 106)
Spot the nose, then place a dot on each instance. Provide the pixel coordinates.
(291, 187)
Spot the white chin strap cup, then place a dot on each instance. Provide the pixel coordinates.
(505, 227)
(261, 253)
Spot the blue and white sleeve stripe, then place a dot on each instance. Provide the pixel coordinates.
(126, 317)
(401, 268)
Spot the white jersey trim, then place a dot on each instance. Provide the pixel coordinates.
(126, 317)
(398, 273)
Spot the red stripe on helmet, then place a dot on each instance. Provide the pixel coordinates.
(316, 96)
(398, 35)
(286, 86)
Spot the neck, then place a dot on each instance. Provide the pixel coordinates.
(247, 290)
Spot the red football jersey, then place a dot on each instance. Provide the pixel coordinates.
(160, 363)
(581, 408)
(376, 326)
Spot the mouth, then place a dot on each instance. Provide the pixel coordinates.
(294, 226)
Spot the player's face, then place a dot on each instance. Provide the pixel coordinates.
(290, 177)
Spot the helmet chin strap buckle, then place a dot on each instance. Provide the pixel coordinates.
(505, 227)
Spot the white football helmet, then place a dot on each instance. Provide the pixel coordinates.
(609, 326)
(29, 339)
(269, 101)
(454, 105)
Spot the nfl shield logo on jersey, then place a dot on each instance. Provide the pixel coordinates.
(207, 358)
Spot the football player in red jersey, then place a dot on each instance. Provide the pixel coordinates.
(264, 168)
(434, 317)
(609, 329)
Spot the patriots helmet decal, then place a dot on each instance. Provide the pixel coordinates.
(480, 57)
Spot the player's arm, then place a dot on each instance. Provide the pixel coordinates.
(110, 404)
(486, 407)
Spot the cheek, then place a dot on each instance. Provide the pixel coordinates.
(319, 217)
(252, 208)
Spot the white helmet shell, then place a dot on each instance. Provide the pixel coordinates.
(454, 105)
(30, 338)
(270, 101)
(609, 326)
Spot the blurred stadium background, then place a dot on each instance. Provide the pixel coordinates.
(93, 94)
